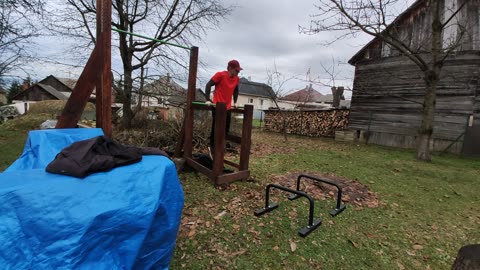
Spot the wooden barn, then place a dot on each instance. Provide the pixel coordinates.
(50, 88)
(389, 89)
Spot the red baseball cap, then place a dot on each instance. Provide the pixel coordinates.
(234, 64)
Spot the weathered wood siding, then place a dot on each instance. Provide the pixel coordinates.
(308, 123)
(414, 30)
(388, 95)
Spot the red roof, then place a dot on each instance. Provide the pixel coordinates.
(307, 94)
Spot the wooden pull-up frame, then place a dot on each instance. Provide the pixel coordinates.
(216, 173)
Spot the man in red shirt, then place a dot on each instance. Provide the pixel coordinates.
(226, 87)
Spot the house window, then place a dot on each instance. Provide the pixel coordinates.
(261, 102)
(250, 100)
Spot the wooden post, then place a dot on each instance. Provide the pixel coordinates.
(246, 137)
(192, 78)
(104, 81)
(220, 140)
(97, 72)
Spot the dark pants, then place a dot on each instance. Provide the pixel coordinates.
(227, 127)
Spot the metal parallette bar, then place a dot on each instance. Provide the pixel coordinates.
(338, 208)
(312, 224)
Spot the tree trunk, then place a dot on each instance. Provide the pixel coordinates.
(428, 114)
(431, 78)
(127, 103)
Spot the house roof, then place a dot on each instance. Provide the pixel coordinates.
(52, 91)
(400, 18)
(70, 83)
(170, 90)
(250, 88)
(307, 94)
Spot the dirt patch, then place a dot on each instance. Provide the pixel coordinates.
(353, 192)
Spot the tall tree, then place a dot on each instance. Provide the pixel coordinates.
(15, 88)
(349, 17)
(16, 30)
(173, 21)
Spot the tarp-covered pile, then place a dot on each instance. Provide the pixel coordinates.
(127, 218)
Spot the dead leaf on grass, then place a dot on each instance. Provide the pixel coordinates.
(240, 252)
(417, 247)
(293, 246)
(191, 233)
(276, 248)
(411, 253)
(355, 245)
(220, 215)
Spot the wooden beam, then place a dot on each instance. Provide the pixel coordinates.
(192, 78)
(200, 168)
(81, 92)
(104, 82)
(230, 177)
(246, 137)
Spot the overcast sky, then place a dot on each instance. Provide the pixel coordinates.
(261, 33)
(258, 34)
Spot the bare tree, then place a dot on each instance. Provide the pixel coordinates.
(172, 21)
(277, 81)
(16, 30)
(349, 17)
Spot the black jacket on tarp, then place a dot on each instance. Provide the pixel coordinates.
(98, 154)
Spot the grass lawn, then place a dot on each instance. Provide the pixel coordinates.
(426, 211)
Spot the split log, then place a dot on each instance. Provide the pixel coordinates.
(321, 123)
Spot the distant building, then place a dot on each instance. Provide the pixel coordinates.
(166, 98)
(259, 95)
(310, 99)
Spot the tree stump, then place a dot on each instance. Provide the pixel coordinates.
(468, 258)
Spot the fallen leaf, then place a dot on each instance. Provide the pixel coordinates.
(220, 215)
(293, 246)
(276, 248)
(400, 266)
(417, 247)
(410, 253)
(191, 233)
(355, 245)
(240, 252)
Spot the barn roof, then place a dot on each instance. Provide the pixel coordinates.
(400, 18)
(52, 91)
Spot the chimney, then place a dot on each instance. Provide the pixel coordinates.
(26, 84)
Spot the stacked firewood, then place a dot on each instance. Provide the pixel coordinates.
(321, 123)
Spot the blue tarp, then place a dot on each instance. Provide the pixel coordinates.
(127, 218)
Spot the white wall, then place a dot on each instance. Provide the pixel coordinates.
(20, 105)
(255, 101)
